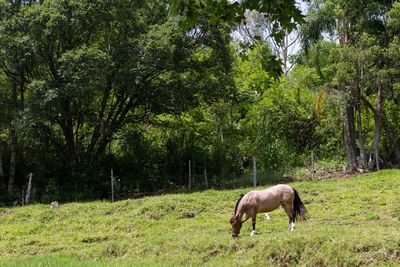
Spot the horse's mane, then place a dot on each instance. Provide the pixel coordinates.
(237, 203)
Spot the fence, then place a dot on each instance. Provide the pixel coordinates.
(195, 181)
(23, 198)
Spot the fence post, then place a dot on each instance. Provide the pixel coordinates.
(254, 172)
(190, 175)
(28, 191)
(205, 177)
(112, 185)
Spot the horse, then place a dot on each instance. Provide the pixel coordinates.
(267, 200)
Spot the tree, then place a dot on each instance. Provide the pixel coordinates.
(278, 20)
(100, 65)
(284, 15)
(15, 62)
(257, 30)
(355, 24)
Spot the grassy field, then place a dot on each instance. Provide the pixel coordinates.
(352, 222)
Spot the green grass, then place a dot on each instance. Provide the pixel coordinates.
(352, 222)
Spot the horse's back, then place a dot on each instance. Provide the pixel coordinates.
(281, 187)
(279, 190)
(286, 191)
(271, 198)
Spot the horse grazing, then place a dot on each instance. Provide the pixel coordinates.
(267, 200)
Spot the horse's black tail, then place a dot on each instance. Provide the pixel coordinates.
(299, 210)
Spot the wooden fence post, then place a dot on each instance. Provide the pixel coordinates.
(28, 191)
(254, 172)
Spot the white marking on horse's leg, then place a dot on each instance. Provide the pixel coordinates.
(292, 226)
(252, 233)
(266, 216)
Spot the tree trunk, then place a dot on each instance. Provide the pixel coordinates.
(13, 132)
(284, 53)
(349, 131)
(68, 130)
(390, 131)
(363, 158)
(13, 158)
(378, 124)
(349, 136)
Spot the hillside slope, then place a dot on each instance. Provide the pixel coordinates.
(352, 222)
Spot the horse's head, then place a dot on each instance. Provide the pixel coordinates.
(236, 220)
(236, 223)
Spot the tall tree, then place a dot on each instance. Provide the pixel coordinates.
(353, 21)
(100, 65)
(15, 63)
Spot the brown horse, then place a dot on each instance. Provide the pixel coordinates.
(267, 200)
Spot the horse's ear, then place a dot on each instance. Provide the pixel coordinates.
(241, 195)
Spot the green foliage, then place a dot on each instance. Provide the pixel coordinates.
(251, 76)
(87, 70)
(193, 229)
(319, 20)
(90, 86)
(283, 15)
(288, 120)
(394, 19)
(51, 192)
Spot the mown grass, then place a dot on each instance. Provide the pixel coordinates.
(352, 222)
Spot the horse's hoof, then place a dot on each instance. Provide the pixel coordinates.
(253, 233)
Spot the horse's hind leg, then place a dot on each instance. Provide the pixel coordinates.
(289, 211)
(292, 223)
(266, 216)
(253, 214)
